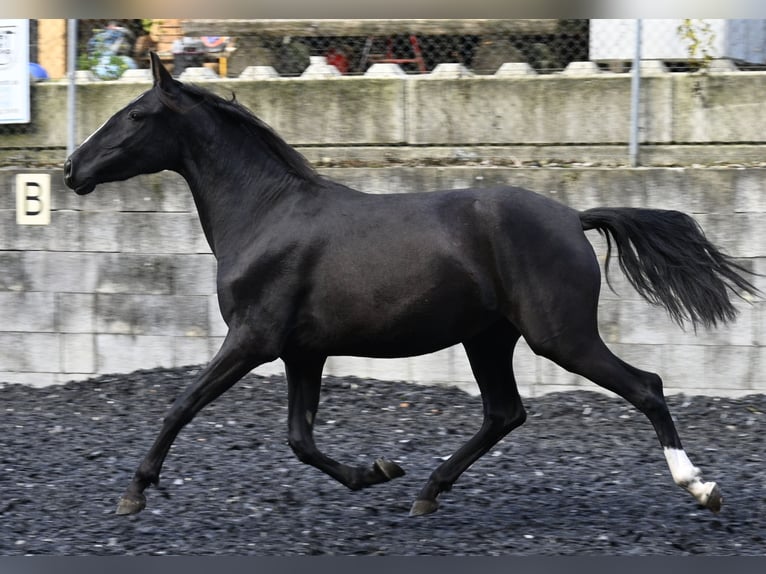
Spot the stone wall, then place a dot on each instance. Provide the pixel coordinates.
(578, 116)
(122, 279)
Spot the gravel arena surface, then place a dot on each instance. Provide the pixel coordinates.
(585, 475)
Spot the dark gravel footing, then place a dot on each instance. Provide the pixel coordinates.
(584, 475)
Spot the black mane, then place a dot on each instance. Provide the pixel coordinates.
(292, 159)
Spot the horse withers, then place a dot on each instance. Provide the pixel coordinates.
(309, 268)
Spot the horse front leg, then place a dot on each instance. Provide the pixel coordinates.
(229, 365)
(304, 381)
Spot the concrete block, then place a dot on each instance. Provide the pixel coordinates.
(450, 70)
(97, 231)
(194, 274)
(14, 237)
(137, 75)
(218, 327)
(29, 352)
(85, 77)
(214, 344)
(319, 68)
(656, 111)
(63, 378)
(27, 312)
(78, 353)
(748, 191)
(13, 276)
(675, 109)
(645, 357)
(515, 69)
(550, 376)
(740, 235)
(160, 315)
(708, 190)
(384, 369)
(722, 66)
(75, 312)
(61, 271)
(492, 110)
(256, 73)
(36, 380)
(127, 353)
(582, 69)
(8, 198)
(336, 111)
(168, 233)
(385, 70)
(273, 368)
(759, 320)
(158, 192)
(718, 107)
(653, 67)
(191, 351)
(446, 367)
(198, 74)
(701, 368)
(138, 273)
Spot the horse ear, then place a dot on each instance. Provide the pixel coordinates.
(162, 77)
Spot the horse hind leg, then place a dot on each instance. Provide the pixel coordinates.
(490, 355)
(590, 358)
(304, 380)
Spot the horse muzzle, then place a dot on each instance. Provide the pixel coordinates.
(82, 188)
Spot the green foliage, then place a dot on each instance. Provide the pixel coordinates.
(699, 38)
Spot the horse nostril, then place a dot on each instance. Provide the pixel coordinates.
(67, 170)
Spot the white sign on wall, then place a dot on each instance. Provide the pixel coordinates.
(14, 71)
(33, 198)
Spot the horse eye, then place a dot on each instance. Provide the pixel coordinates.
(134, 115)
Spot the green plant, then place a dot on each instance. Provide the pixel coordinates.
(700, 38)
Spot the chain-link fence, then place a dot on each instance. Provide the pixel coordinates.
(107, 49)
(547, 46)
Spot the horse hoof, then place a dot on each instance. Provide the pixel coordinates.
(388, 468)
(131, 505)
(714, 499)
(421, 507)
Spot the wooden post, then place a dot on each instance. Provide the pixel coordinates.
(51, 47)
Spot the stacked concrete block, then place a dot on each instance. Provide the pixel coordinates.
(111, 285)
(123, 279)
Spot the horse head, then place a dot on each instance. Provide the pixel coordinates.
(140, 138)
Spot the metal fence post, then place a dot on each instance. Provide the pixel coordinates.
(71, 89)
(635, 91)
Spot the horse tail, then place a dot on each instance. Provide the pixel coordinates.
(668, 260)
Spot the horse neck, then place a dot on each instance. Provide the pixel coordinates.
(235, 186)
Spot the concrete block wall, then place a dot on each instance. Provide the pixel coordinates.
(122, 279)
(566, 117)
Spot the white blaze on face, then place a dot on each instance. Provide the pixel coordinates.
(102, 125)
(688, 476)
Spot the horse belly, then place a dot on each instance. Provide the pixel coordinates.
(395, 315)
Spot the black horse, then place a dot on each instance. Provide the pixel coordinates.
(308, 268)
